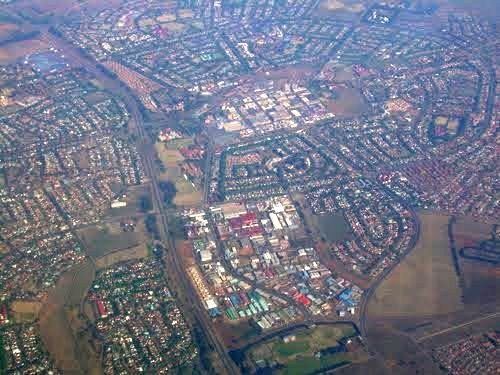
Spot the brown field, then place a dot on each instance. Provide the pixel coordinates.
(102, 240)
(4, 249)
(60, 327)
(481, 282)
(14, 51)
(425, 283)
(350, 102)
(480, 279)
(234, 334)
(187, 194)
(137, 252)
(467, 231)
(185, 250)
(399, 353)
(420, 305)
(25, 311)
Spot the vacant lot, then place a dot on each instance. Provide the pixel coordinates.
(133, 197)
(333, 227)
(171, 158)
(349, 102)
(137, 252)
(102, 240)
(468, 231)
(58, 323)
(425, 283)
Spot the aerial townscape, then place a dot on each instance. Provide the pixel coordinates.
(249, 187)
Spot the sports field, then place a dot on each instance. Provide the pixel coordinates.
(300, 354)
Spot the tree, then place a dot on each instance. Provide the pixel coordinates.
(168, 190)
(145, 203)
(152, 226)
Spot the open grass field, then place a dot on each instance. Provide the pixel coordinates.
(299, 356)
(333, 227)
(57, 322)
(171, 158)
(425, 283)
(105, 239)
(137, 252)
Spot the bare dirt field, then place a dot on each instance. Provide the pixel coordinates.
(481, 282)
(425, 283)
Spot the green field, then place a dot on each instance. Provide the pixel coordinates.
(333, 227)
(291, 348)
(101, 241)
(299, 356)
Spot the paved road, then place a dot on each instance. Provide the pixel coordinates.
(458, 326)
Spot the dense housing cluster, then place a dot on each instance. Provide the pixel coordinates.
(52, 184)
(23, 351)
(139, 321)
(316, 128)
(475, 354)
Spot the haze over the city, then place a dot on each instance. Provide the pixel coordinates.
(249, 187)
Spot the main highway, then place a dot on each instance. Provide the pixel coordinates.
(174, 269)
